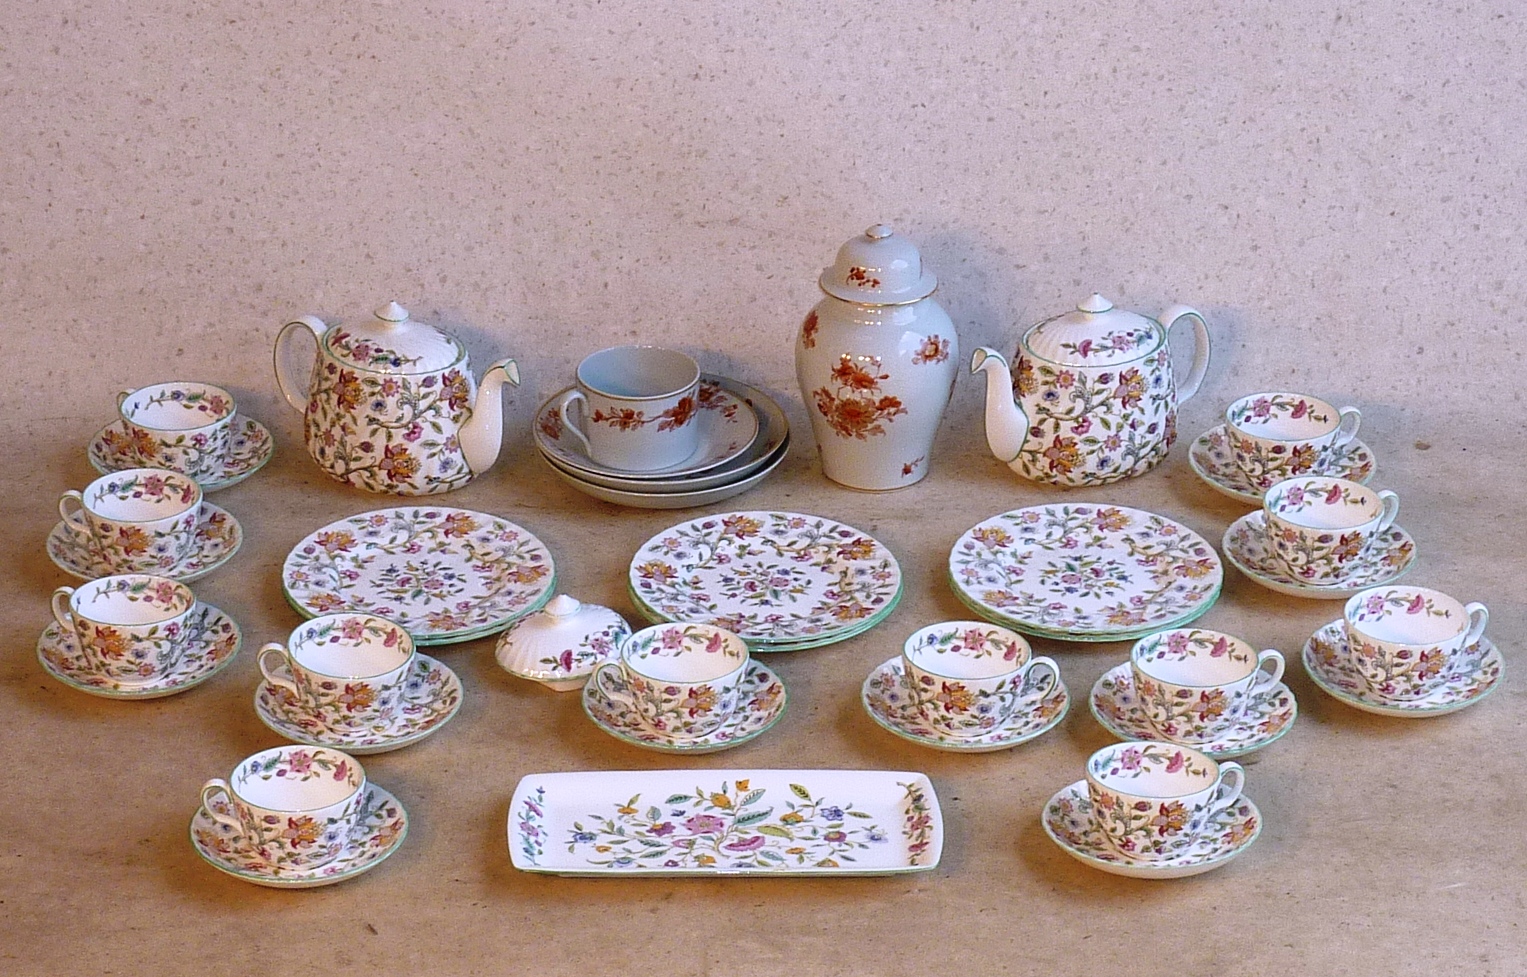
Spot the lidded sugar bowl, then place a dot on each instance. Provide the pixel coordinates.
(561, 644)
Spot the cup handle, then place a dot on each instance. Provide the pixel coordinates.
(1391, 503)
(295, 395)
(284, 683)
(74, 519)
(1266, 678)
(1045, 682)
(122, 396)
(1232, 777)
(1351, 420)
(1479, 616)
(212, 787)
(1195, 378)
(598, 679)
(65, 617)
(561, 404)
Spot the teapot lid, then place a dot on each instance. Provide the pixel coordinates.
(1094, 334)
(878, 268)
(391, 342)
(561, 644)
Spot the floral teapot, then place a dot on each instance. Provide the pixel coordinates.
(391, 406)
(1096, 398)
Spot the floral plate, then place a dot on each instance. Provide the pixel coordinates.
(1268, 716)
(1212, 462)
(431, 696)
(760, 705)
(726, 822)
(1067, 819)
(1085, 572)
(780, 580)
(446, 575)
(728, 427)
(884, 697)
(213, 642)
(218, 537)
(382, 827)
(249, 449)
(1245, 546)
(1476, 675)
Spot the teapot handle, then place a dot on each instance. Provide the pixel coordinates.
(295, 395)
(1190, 384)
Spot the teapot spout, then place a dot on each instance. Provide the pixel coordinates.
(483, 433)
(1007, 426)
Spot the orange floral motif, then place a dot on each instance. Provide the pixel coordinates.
(854, 410)
(933, 350)
(623, 419)
(1025, 382)
(399, 465)
(347, 392)
(110, 643)
(358, 696)
(525, 572)
(741, 526)
(551, 424)
(861, 276)
(339, 541)
(677, 416)
(301, 831)
(656, 570)
(809, 330)
(458, 524)
(1063, 455)
(133, 541)
(955, 697)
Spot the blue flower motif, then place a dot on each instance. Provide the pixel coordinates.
(584, 837)
(832, 813)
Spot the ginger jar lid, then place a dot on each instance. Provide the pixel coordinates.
(878, 268)
(391, 342)
(561, 644)
(1093, 334)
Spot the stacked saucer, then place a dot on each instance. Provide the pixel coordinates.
(743, 437)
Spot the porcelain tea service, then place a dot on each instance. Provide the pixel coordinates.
(635, 408)
(142, 520)
(1320, 527)
(1154, 801)
(1279, 435)
(130, 629)
(561, 644)
(344, 670)
(1406, 641)
(1196, 685)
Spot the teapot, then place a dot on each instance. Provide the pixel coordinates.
(1096, 399)
(391, 406)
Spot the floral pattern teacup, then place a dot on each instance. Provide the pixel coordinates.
(1194, 685)
(296, 807)
(967, 677)
(1152, 801)
(132, 628)
(183, 426)
(1319, 527)
(636, 407)
(676, 679)
(1406, 641)
(142, 520)
(345, 670)
(1280, 435)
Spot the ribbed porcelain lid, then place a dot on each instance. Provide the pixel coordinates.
(565, 640)
(878, 268)
(1094, 334)
(391, 342)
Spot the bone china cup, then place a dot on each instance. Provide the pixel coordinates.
(1274, 436)
(1405, 640)
(1155, 800)
(345, 670)
(132, 628)
(183, 426)
(677, 679)
(1194, 685)
(636, 407)
(1320, 527)
(140, 520)
(294, 806)
(967, 677)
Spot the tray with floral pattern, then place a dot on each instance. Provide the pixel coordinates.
(726, 822)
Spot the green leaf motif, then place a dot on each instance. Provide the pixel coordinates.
(677, 799)
(859, 814)
(800, 792)
(775, 831)
(752, 817)
(753, 797)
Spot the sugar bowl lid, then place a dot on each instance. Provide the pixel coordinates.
(391, 342)
(878, 268)
(561, 644)
(1093, 334)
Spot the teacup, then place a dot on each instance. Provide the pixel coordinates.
(140, 520)
(183, 426)
(968, 677)
(1194, 685)
(1155, 800)
(677, 679)
(296, 807)
(132, 628)
(637, 407)
(1319, 527)
(345, 670)
(1405, 640)
(1279, 435)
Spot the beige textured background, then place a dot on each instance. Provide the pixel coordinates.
(1338, 189)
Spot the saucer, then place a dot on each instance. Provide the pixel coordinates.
(211, 646)
(886, 701)
(383, 825)
(1268, 717)
(759, 707)
(743, 481)
(1325, 659)
(1067, 819)
(431, 696)
(248, 450)
(218, 537)
(1245, 546)
(1213, 462)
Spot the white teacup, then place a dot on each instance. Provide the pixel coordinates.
(676, 679)
(968, 677)
(1319, 527)
(1405, 640)
(1279, 435)
(1154, 800)
(1194, 685)
(636, 407)
(132, 628)
(295, 806)
(182, 425)
(139, 520)
(345, 670)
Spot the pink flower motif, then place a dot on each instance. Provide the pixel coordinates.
(414, 432)
(1176, 763)
(1130, 759)
(704, 824)
(671, 639)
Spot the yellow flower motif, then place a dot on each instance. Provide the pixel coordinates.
(721, 801)
(705, 859)
(794, 817)
(743, 784)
